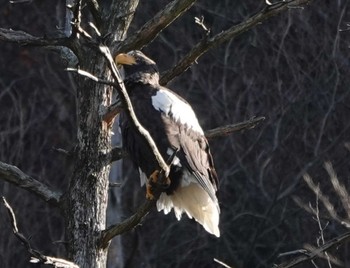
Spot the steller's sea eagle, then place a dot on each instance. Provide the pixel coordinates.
(174, 127)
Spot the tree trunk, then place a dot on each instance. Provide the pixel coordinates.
(88, 191)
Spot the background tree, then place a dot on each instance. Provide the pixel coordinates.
(290, 70)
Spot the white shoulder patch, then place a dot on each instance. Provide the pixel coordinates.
(168, 103)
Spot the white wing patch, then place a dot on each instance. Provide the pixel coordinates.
(143, 177)
(171, 105)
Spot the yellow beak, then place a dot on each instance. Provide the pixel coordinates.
(125, 59)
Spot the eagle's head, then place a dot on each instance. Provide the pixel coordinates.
(137, 67)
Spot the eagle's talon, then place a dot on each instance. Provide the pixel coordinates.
(154, 180)
(149, 192)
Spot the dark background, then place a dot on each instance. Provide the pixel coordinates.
(293, 69)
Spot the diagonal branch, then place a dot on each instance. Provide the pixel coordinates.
(150, 30)
(208, 43)
(37, 256)
(128, 224)
(14, 175)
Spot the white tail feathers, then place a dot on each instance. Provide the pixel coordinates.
(196, 202)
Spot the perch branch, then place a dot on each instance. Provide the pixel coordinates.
(142, 211)
(317, 252)
(150, 30)
(36, 256)
(208, 43)
(129, 223)
(14, 175)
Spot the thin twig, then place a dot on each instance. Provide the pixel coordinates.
(36, 256)
(222, 263)
(14, 175)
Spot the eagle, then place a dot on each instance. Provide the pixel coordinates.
(174, 127)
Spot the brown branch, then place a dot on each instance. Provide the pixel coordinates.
(317, 252)
(208, 43)
(150, 30)
(36, 256)
(229, 129)
(14, 175)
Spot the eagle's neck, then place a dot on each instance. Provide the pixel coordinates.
(141, 77)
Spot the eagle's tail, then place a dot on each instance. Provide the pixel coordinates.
(196, 202)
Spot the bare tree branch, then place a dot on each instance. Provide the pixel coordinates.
(208, 43)
(37, 257)
(17, 177)
(317, 252)
(150, 30)
(24, 38)
(229, 129)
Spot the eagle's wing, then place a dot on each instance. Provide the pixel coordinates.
(184, 133)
